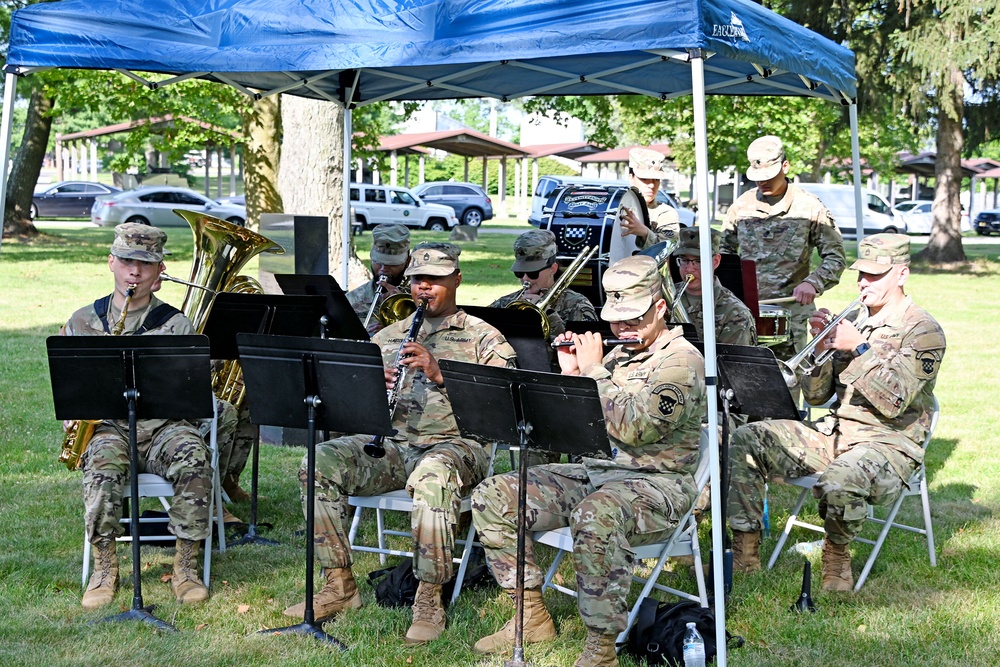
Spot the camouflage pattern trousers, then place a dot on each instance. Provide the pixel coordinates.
(436, 478)
(605, 522)
(865, 474)
(174, 451)
(236, 437)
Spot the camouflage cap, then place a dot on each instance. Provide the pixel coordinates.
(766, 155)
(630, 286)
(534, 250)
(880, 252)
(433, 259)
(137, 241)
(689, 241)
(646, 163)
(390, 245)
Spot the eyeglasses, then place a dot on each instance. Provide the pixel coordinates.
(531, 275)
(690, 261)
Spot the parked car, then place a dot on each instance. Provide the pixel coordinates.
(686, 215)
(68, 199)
(238, 200)
(377, 204)
(154, 205)
(471, 203)
(987, 222)
(839, 199)
(919, 218)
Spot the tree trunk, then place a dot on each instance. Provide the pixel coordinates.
(27, 166)
(262, 157)
(312, 171)
(945, 243)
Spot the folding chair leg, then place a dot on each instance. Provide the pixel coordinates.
(699, 572)
(878, 543)
(928, 526)
(355, 522)
(380, 522)
(464, 563)
(788, 528)
(552, 573)
(86, 559)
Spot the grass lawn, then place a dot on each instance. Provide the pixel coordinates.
(907, 614)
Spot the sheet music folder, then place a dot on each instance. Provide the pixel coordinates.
(89, 376)
(564, 411)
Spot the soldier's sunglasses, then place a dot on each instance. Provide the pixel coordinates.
(531, 275)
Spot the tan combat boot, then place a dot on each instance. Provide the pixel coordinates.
(104, 580)
(428, 614)
(538, 627)
(599, 651)
(746, 551)
(837, 575)
(340, 592)
(231, 485)
(188, 588)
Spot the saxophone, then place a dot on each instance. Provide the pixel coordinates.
(80, 432)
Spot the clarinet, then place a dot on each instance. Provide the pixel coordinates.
(376, 447)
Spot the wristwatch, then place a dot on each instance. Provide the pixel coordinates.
(861, 349)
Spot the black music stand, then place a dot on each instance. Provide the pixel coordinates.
(522, 329)
(132, 377)
(234, 313)
(341, 320)
(750, 383)
(547, 411)
(300, 382)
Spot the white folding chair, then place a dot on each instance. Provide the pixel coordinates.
(682, 542)
(400, 501)
(154, 486)
(917, 486)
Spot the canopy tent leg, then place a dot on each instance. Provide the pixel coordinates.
(9, 93)
(345, 250)
(859, 205)
(708, 336)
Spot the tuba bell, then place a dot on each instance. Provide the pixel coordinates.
(221, 250)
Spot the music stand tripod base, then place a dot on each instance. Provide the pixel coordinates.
(142, 614)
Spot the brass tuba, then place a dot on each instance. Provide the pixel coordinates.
(555, 291)
(221, 250)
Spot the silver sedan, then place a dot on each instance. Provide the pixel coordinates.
(154, 205)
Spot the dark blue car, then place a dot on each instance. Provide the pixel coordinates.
(68, 199)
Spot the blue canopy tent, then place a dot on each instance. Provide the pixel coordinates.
(364, 51)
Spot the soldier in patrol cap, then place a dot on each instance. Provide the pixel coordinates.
(653, 396)
(389, 255)
(646, 168)
(883, 374)
(778, 225)
(427, 456)
(173, 449)
(734, 323)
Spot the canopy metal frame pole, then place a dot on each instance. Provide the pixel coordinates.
(708, 336)
(9, 94)
(345, 242)
(859, 205)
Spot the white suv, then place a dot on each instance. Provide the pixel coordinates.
(377, 204)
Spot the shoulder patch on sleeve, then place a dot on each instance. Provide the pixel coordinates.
(671, 398)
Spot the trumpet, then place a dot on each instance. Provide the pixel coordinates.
(376, 447)
(855, 313)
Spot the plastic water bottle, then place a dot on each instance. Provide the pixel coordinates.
(694, 647)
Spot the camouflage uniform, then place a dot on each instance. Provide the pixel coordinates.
(734, 323)
(390, 247)
(780, 238)
(172, 449)
(569, 307)
(427, 457)
(869, 444)
(654, 402)
(664, 223)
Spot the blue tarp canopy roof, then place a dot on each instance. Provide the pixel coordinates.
(368, 50)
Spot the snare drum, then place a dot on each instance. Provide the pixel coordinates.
(773, 325)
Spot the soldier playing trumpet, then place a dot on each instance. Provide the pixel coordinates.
(390, 254)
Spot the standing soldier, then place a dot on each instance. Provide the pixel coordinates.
(777, 225)
(173, 449)
(868, 447)
(389, 255)
(734, 323)
(427, 456)
(653, 395)
(645, 171)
